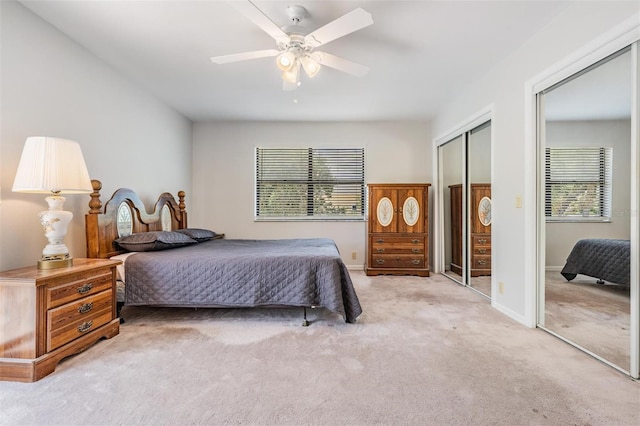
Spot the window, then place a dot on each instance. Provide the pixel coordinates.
(578, 183)
(309, 183)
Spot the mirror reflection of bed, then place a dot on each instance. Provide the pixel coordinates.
(592, 309)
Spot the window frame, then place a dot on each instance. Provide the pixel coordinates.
(309, 183)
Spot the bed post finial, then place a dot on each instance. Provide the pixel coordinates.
(181, 205)
(95, 204)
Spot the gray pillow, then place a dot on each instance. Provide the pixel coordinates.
(154, 241)
(199, 234)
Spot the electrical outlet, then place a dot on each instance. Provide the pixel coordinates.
(501, 287)
(354, 255)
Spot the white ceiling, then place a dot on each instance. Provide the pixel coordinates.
(420, 53)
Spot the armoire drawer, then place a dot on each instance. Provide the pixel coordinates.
(481, 262)
(397, 261)
(478, 240)
(482, 250)
(397, 245)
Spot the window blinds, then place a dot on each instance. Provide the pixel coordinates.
(309, 183)
(578, 182)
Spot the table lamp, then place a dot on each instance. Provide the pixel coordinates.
(53, 166)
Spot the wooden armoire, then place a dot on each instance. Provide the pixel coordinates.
(480, 238)
(397, 231)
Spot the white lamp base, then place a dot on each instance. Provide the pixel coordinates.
(55, 222)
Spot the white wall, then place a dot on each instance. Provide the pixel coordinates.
(562, 236)
(224, 172)
(51, 86)
(504, 87)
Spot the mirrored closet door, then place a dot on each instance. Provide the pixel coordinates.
(479, 212)
(585, 172)
(451, 156)
(465, 185)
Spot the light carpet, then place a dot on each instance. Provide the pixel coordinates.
(425, 351)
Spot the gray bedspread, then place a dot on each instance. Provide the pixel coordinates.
(607, 260)
(244, 273)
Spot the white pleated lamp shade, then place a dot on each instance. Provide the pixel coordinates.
(52, 165)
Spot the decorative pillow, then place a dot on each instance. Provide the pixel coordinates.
(199, 235)
(153, 241)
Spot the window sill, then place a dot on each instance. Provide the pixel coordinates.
(578, 219)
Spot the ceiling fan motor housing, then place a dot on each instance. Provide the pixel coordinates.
(296, 13)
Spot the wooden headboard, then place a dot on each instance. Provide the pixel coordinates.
(102, 223)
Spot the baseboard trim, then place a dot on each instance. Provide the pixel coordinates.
(355, 267)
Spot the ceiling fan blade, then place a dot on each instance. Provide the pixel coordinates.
(244, 56)
(252, 12)
(352, 21)
(341, 64)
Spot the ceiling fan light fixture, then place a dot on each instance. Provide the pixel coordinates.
(311, 65)
(286, 61)
(293, 75)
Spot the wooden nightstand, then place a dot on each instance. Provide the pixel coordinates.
(47, 315)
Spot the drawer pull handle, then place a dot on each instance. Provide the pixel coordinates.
(482, 262)
(85, 326)
(379, 240)
(85, 288)
(415, 261)
(415, 241)
(83, 309)
(482, 251)
(415, 250)
(380, 261)
(482, 240)
(380, 250)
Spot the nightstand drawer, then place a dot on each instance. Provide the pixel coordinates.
(83, 284)
(81, 308)
(80, 327)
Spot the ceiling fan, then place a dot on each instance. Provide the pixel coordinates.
(296, 50)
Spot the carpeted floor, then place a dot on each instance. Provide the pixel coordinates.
(425, 351)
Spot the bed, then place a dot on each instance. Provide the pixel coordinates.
(604, 259)
(161, 268)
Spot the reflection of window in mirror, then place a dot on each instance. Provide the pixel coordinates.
(578, 183)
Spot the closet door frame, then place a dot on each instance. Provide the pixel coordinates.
(624, 35)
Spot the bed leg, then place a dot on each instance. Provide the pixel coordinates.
(119, 306)
(305, 323)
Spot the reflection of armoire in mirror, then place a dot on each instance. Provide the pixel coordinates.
(480, 222)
